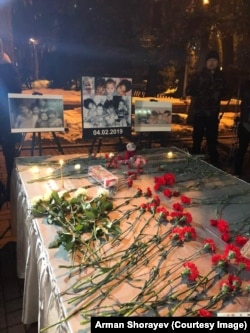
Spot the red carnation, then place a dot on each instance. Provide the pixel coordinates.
(185, 200)
(204, 313)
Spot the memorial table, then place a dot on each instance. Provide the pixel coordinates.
(141, 272)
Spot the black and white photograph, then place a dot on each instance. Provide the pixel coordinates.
(153, 116)
(36, 113)
(106, 106)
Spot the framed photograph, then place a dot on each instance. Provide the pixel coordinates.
(153, 116)
(106, 106)
(36, 113)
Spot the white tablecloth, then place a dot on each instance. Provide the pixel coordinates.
(39, 265)
(41, 302)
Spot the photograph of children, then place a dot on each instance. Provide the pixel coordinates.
(109, 107)
(153, 116)
(36, 113)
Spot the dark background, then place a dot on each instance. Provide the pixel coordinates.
(156, 42)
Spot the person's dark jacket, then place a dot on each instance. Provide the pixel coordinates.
(207, 89)
(245, 102)
(9, 83)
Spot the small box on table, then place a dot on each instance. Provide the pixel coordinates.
(103, 176)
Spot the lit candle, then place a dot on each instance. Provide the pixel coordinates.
(35, 171)
(169, 154)
(77, 167)
(62, 181)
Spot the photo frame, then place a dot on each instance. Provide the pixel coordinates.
(153, 116)
(36, 113)
(106, 106)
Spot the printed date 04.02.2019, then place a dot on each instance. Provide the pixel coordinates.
(108, 131)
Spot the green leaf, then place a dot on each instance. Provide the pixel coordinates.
(107, 206)
(65, 237)
(55, 197)
(39, 210)
(79, 227)
(106, 269)
(90, 214)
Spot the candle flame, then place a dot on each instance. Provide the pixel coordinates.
(170, 154)
(35, 169)
(77, 167)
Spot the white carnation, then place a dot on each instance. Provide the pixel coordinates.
(47, 196)
(36, 199)
(102, 192)
(62, 193)
(81, 191)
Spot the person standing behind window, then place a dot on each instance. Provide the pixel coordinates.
(243, 130)
(207, 88)
(9, 83)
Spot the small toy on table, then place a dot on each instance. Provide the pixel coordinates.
(130, 152)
